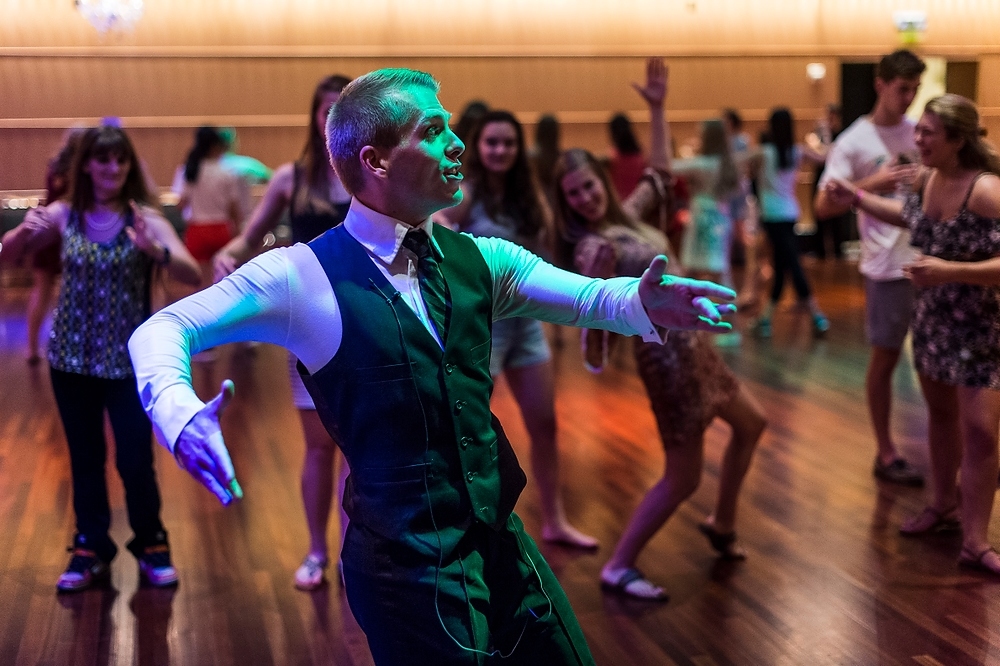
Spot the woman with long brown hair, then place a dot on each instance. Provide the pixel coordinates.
(687, 382)
(112, 237)
(502, 199)
(776, 170)
(316, 201)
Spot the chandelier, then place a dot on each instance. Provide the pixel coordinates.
(107, 15)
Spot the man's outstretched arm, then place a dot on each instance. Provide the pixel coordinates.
(526, 286)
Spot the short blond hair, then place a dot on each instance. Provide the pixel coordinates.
(373, 110)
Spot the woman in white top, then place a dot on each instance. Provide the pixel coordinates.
(777, 169)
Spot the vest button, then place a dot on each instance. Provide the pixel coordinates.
(464, 442)
(449, 368)
(470, 476)
(458, 405)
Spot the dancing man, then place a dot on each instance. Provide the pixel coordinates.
(390, 318)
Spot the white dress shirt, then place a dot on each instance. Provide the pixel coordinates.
(285, 298)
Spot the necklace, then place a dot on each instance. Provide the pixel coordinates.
(103, 224)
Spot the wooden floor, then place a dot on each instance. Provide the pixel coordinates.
(828, 579)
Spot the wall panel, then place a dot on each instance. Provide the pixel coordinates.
(253, 63)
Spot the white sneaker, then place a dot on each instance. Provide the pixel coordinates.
(310, 575)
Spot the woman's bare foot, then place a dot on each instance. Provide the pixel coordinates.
(567, 535)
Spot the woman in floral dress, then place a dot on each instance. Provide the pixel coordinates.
(953, 214)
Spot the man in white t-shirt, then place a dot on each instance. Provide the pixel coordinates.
(877, 153)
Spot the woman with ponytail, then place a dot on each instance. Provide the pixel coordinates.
(953, 213)
(215, 200)
(776, 168)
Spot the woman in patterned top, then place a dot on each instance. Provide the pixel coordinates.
(316, 201)
(687, 382)
(953, 214)
(112, 236)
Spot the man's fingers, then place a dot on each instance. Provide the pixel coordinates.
(704, 324)
(212, 467)
(726, 309)
(221, 401)
(657, 267)
(221, 463)
(711, 290)
(706, 309)
(213, 485)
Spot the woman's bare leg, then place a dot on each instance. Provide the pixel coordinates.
(533, 387)
(944, 442)
(747, 420)
(680, 479)
(980, 418)
(317, 481)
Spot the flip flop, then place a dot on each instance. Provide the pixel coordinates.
(722, 543)
(628, 578)
(975, 562)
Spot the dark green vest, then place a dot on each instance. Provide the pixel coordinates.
(413, 420)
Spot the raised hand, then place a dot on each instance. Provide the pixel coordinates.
(141, 235)
(657, 76)
(201, 451)
(683, 303)
(37, 219)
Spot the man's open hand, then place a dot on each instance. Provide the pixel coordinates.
(683, 303)
(201, 450)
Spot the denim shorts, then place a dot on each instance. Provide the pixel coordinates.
(888, 311)
(518, 343)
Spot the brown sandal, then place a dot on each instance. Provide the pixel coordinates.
(967, 560)
(724, 544)
(931, 521)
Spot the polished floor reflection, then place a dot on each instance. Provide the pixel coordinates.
(828, 579)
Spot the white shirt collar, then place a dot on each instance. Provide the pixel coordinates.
(378, 233)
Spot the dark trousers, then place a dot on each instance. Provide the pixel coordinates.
(785, 249)
(837, 229)
(494, 595)
(82, 401)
